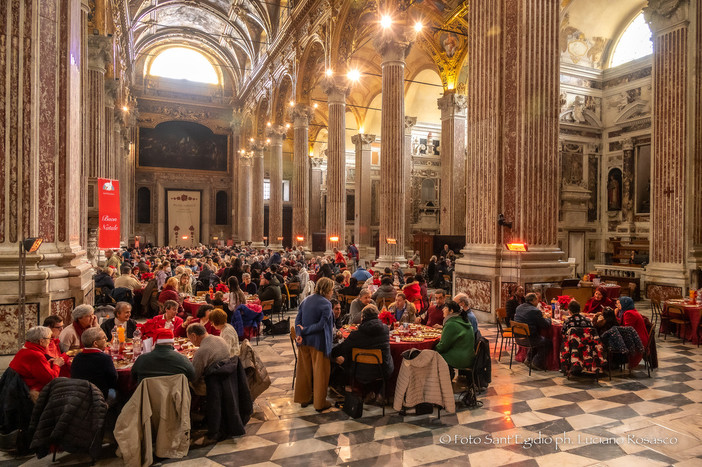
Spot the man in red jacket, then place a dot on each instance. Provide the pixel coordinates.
(435, 314)
(32, 363)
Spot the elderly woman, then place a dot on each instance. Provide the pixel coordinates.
(93, 364)
(83, 318)
(598, 302)
(33, 364)
(248, 286)
(631, 317)
(314, 326)
(457, 344)
(404, 311)
(123, 313)
(218, 318)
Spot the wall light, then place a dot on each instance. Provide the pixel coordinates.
(292, 103)
(315, 105)
(300, 238)
(185, 237)
(353, 75)
(386, 21)
(329, 72)
(287, 125)
(391, 241)
(517, 246)
(334, 238)
(125, 108)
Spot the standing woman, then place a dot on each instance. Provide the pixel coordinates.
(314, 327)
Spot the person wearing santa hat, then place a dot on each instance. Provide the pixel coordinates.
(163, 360)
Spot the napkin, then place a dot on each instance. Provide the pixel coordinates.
(147, 345)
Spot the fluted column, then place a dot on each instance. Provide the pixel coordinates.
(410, 122)
(512, 147)
(317, 221)
(99, 55)
(302, 114)
(362, 215)
(257, 210)
(106, 166)
(453, 163)
(336, 164)
(244, 198)
(275, 204)
(392, 154)
(675, 228)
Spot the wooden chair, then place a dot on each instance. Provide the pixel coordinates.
(521, 331)
(294, 346)
(202, 293)
(267, 309)
(647, 350)
(677, 316)
(293, 290)
(345, 301)
(503, 333)
(383, 302)
(369, 357)
(656, 310)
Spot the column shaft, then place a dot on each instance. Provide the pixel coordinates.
(336, 167)
(301, 173)
(453, 163)
(244, 197)
(275, 204)
(317, 221)
(410, 122)
(257, 210)
(362, 215)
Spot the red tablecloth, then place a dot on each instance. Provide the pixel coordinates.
(694, 314)
(553, 334)
(191, 307)
(613, 291)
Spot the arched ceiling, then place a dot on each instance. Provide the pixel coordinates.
(233, 27)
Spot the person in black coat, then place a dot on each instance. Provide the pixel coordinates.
(103, 279)
(514, 300)
(528, 313)
(93, 364)
(123, 313)
(371, 334)
(325, 270)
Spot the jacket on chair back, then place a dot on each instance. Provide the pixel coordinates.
(229, 404)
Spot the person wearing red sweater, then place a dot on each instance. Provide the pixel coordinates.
(168, 320)
(170, 292)
(55, 323)
(33, 364)
(435, 314)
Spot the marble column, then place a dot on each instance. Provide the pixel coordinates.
(99, 55)
(275, 205)
(628, 196)
(676, 234)
(257, 211)
(392, 154)
(363, 203)
(336, 165)
(410, 122)
(244, 197)
(208, 205)
(317, 221)
(453, 163)
(107, 165)
(40, 163)
(302, 114)
(512, 146)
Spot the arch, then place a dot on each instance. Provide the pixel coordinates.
(283, 96)
(310, 69)
(192, 65)
(634, 42)
(261, 117)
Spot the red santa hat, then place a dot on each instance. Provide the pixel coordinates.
(164, 336)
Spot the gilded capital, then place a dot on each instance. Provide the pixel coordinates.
(237, 120)
(275, 132)
(302, 115)
(336, 89)
(452, 102)
(393, 48)
(246, 159)
(362, 139)
(664, 15)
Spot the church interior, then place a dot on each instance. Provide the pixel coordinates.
(571, 126)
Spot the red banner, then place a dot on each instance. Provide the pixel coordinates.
(108, 202)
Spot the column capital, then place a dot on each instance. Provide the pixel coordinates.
(317, 161)
(111, 87)
(452, 102)
(336, 89)
(393, 47)
(237, 120)
(99, 52)
(410, 122)
(628, 144)
(246, 159)
(301, 115)
(275, 133)
(664, 15)
(362, 139)
(257, 148)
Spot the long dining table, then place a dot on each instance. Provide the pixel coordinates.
(693, 311)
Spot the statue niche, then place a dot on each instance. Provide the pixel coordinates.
(614, 190)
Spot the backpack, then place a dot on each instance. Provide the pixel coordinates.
(281, 327)
(482, 367)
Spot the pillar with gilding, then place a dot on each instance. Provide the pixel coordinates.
(453, 163)
(362, 215)
(410, 122)
(302, 114)
(336, 165)
(257, 210)
(244, 198)
(392, 154)
(676, 230)
(275, 205)
(512, 151)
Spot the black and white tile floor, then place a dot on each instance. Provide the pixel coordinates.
(541, 420)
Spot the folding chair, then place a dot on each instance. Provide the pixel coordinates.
(521, 331)
(503, 333)
(369, 357)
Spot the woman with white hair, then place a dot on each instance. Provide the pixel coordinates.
(32, 364)
(83, 318)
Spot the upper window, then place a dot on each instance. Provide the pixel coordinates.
(184, 63)
(634, 43)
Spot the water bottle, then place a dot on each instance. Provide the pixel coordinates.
(136, 342)
(114, 346)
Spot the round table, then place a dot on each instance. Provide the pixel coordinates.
(554, 334)
(694, 316)
(192, 307)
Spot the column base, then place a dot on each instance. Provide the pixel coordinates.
(366, 255)
(665, 280)
(276, 247)
(386, 261)
(258, 245)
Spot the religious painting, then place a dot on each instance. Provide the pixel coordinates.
(643, 179)
(614, 190)
(182, 145)
(450, 43)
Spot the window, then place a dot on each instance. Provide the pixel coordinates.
(221, 208)
(183, 63)
(634, 43)
(267, 190)
(143, 205)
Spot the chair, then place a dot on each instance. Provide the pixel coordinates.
(369, 357)
(503, 333)
(649, 345)
(293, 290)
(267, 309)
(469, 395)
(345, 301)
(103, 297)
(521, 331)
(656, 310)
(293, 336)
(202, 293)
(677, 316)
(384, 302)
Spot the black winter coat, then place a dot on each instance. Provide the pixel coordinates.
(229, 404)
(15, 409)
(371, 334)
(70, 414)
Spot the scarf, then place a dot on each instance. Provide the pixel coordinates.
(79, 331)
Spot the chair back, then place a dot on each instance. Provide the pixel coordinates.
(519, 329)
(501, 313)
(384, 302)
(676, 312)
(293, 336)
(367, 356)
(293, 288)
(202, 293)
(267, 305)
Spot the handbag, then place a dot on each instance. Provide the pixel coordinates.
(353, 405)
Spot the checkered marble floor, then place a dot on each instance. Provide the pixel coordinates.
(537, 420)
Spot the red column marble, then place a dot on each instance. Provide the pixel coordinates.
(696, 134)
(512, 148)
(317, 220)
(302, 114)
(675, 227)
(257, 211)
(244, 219)
(410, 122)
(336, 164)
(275, 204)
(362, 215)
(99, 48)
(392, 155)
(453, 163)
